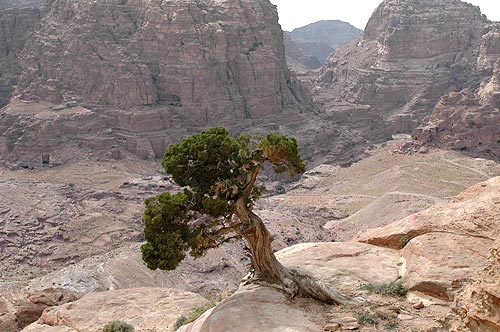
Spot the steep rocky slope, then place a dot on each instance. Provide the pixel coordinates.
(411, 54)
(321, 38)
(214, 59)
(470, 120)
(99, 77)
(17, 24)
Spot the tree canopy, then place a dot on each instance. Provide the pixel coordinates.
(218, 173)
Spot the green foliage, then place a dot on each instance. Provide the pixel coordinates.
(215, 170)
(118, 326)
(392, 289)
(166, 231)
(193, 315)
(391, 325)
(367, 319)
(403, 241)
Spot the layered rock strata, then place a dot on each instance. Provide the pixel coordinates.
(469, 120)
(17, 24)
(411, 53)
(213, 60)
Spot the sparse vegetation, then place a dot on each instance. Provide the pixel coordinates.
(193, 315)
(367, 319)
(391, 325)
(391, 289)
(118, 326)
(403, 241)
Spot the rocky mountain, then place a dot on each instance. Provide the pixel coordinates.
(470, 120)
(318, 40)
(17, 25)
(411, 54)
(147, 72)
(135, 77)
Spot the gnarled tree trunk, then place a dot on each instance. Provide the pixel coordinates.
(267, 268)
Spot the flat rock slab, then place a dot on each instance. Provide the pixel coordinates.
(437, 263)
(475, 212)
(383, 211)
(344, 265)
(147, 309)
(254, 308)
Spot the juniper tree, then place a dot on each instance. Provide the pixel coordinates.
(218, 174)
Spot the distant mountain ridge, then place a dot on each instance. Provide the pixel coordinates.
(318, 40)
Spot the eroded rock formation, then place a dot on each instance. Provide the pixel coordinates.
(470, 120)
(479, 304)
(17, 24)
(411, 53)
(216, 60)
(445, 244)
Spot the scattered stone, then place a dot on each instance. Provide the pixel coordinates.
(331, 327)
(418, 305)
(406, 317)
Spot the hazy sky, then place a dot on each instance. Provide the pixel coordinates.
(297, 13)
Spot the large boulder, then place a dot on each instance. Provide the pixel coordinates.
(479, 303)
(252, 309)
(343, 265)
(143, 308)
(475, 213)
(29, 311)
(444, 244)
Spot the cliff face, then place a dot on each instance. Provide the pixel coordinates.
(411, 53)
(214, 59)
(139, 75)
(16, 25)
(470, 120)
(466, 121)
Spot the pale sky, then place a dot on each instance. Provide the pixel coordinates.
(296, 13)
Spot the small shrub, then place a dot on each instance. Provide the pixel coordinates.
(118, 326)
(403, 241)
(392, 289)
(367, 319)
(193, 315)
(391, 326)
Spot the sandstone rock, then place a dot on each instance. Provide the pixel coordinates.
(8, 321)
(445, 244)
(382, 211)
(30, 311)
(17, 24)
(475, 213)
(211, 60)
(466, 121)
(343, 265)
(439, 264)
(479, 304)
(411, 54)
(254, 308)
(331, 327)
(144, 308)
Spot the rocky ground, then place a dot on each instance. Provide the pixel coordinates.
(103, 201)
